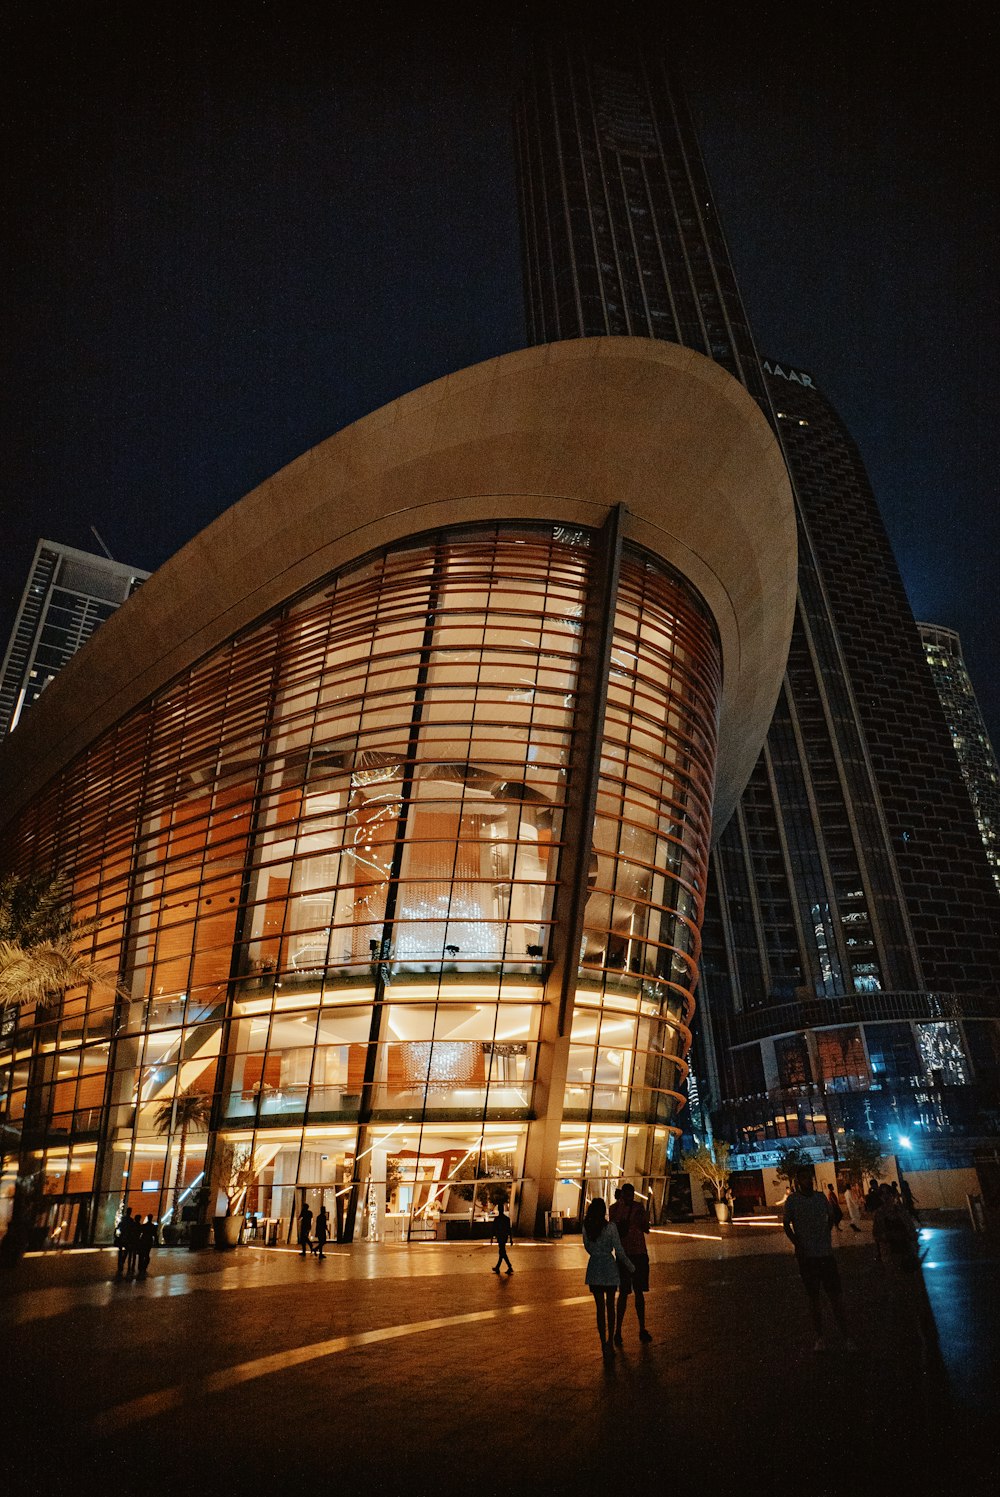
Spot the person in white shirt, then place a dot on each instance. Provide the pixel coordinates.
(808, 1223)
(853, 1208)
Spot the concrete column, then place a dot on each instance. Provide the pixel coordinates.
(572, 892)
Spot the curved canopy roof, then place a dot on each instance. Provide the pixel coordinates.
(559, 432)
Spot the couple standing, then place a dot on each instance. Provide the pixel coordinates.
(619, 1264)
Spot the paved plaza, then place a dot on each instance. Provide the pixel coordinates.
(413, 1369)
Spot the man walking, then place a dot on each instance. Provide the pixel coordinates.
(322, 1231)
(629, 1216)
(502, 1233)
(808, 1223)
(305, 1229)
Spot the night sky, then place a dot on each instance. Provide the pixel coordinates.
(230, 231)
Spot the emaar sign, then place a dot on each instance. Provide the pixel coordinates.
(795, 375)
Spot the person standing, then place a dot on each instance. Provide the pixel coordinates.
(305, 1229)
(146, 1243)
(123, 1235)
(322, 1231)
(908, 1202)
(833, 1201)
(853, 1209)
(502, 1232)
(629, 1216)
(895, 1234)
(808, 1223)
(607, 1263)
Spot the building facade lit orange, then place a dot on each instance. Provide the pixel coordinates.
(393, 796)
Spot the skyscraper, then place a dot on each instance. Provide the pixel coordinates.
(976, 754)
(68, 594)
(851, 915)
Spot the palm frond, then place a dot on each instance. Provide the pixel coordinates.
(34, 908)
(36, 973)
(190, 1111)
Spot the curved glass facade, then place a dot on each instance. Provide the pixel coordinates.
(329, 862)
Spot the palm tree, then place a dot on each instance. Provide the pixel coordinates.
(189, 1111)
(38, 962)
(39, 940)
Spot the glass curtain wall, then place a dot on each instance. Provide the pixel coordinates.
(325, 865)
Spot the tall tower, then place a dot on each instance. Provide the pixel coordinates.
(976, 755)
(68, 594)
(619, 231)
(850, 895)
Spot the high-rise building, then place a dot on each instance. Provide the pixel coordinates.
(976, 754)
(392, 796)
(68, 594)
(852, 937)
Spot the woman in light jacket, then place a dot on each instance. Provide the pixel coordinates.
(605, 1252)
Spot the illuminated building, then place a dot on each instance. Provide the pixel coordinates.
(68, 594)
(852, 931)
(976, 755)
(393, 792)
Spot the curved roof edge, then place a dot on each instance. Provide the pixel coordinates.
(562, 431)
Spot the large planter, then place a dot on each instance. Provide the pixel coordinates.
(227, 1230)
(198, 1236)
(722, 1212)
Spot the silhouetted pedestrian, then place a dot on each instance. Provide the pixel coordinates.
(808, 1223)
(895, 1235)
(322, 1230)
(502, 1233)
(132, 1243)
(82, 1222)
(146, 1243)
(604, 1270)
(833, 1202)
(125, 1235)
(909, 1203)
(629, 1216)
(305, 1229)
(897, 1242)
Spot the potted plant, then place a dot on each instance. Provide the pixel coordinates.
(711, 1162)
(235, 1171)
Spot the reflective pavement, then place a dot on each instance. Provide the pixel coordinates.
(398, 1369)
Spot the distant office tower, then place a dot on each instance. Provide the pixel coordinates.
(851, 940)
(976, 755)
(68, 594)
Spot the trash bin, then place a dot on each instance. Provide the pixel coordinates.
(554, 1223)
(272, 1233)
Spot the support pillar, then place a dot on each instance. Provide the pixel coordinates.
(575, 862)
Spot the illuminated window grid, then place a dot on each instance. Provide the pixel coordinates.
(207, 745)
(657, 760)
(650, 1043)
(441, 725)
